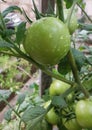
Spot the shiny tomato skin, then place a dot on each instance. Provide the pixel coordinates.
(58, 87)
(83, 112)
(47, 40)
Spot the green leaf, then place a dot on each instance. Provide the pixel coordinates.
(64, 66)
(26, 16)
(21, 98)
(4, 44)
(88, 84)
(10, 9)
(8, 32)
(7, 115)
(34, 85)
(32, 116)
(85, 26)
(59, 101)
(4, 94)
(68, 3)
(79, 58)
(20, 32)
(37, 13)
(33, 113)
(89, 60)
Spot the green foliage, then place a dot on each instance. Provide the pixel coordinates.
(29, 108)
(64, 66)
(10, 9)
(20, 33)
(11, 76)
(68, 3)
(79, 58)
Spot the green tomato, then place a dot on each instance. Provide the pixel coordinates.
(73, 21)
(47, 40)
(72, 124)
(83, 112)
(58, 87)
(52, 117)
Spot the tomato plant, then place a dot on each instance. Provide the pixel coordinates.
(83, 112)
(46, 43)
(41, 40)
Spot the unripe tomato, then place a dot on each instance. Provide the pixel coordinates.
(73, 21)
(83, 112)
(51, 116)
(47, 40)
(58, 87)
(72, 124)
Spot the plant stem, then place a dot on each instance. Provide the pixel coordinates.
(70, 13)
(75, 73)
(72, 60)
(60, 9)
(10, 106)
(84, 12)
(43, 68)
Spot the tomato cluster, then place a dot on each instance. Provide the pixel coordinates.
(77, 116)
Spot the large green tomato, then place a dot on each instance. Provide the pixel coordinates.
(72, 124)
(47, 40)
(83, 112)
(73, 21)
(58, 87)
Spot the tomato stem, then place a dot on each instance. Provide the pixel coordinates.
(76, 74)
(70, 13)
(60, 9)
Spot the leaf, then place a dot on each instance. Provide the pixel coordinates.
(37, 13)
(4, 94)
(27, 18)
(21, 98)
(8, 32)
(10, 9)
(89, 60)
(88, 84)
(20, 32)
(79, 58)
(64, 66)
(33, 116)
(85, 26)
(4, 44)
(34, 85)
(59, 101)
(68, 3)
(33, 113)
(7, 115)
